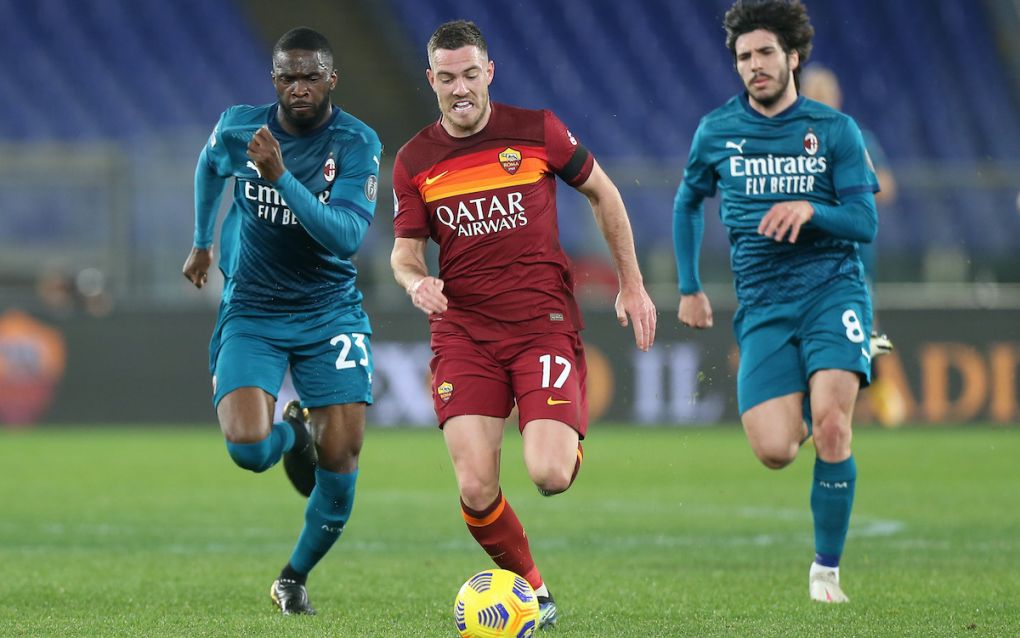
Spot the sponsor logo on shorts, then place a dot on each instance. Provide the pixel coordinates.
(552, 401)
(555, 316)
(445, 390)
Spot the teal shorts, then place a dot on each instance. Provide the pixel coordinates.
(783, 344)
(329, 354)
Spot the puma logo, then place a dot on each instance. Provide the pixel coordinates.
(739, 147)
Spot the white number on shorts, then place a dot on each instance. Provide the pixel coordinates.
(547, 360)
(853, 326)
(342, 362)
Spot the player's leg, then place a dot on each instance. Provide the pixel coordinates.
(335, 390)
(835, 351)
(248, 371)
(775, 429)
(474, 443)
(833, 393)
(552, 454)
(549, 374)
(339, 433)
(771, 384)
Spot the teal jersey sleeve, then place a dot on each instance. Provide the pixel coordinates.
(209, 183)
(700, 174)
(688, 230)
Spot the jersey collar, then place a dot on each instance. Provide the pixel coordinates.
(743, 98)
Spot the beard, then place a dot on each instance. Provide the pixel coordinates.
(308, 119)
(769, 99)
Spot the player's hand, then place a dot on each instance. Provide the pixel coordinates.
(427, 295)
(197, 265)
(695, 310)
(786, 217)
(635, 302)
(264, 150)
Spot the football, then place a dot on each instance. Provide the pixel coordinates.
(496, 603)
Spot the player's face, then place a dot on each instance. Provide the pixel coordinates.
(461, 79)
(765, 69)
(303, 81)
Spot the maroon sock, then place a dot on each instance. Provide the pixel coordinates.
(500, 533)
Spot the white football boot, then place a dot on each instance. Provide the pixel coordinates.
(823, 584)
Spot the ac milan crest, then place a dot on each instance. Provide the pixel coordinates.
(811, 142)
(329, 170)
(510, 160)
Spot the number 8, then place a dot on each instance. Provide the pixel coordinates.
(853, 326)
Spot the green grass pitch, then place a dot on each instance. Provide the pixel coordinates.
(668, 532)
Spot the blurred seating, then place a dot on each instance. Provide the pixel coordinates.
(633, 79)
(102, 69)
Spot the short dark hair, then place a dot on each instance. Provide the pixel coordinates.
(456, 34)
(788, 19)
(304, 39)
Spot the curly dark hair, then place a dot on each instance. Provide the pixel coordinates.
(456, 34)
(788, 19)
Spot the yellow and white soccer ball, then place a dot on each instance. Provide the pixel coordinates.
(496, 603)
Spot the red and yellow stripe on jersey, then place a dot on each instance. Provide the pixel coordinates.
(476, 172)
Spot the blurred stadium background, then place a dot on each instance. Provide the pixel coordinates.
(107, 103)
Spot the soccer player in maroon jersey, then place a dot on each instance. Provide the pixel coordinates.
(481, 183)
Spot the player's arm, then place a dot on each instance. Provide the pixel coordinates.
(854, 217)
(688, 229)
(408, 262)
(208, 191)
(339, 226)
(611, 216)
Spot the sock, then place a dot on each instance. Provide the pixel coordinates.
(832, 499)
(329, 507)
(500, 533)
(262, 455)
(577, 464)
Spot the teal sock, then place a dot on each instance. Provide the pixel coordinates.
(262, 455)
(329, 507)
(832, 499)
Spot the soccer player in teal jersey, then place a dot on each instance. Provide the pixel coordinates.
(305, 183)
(797, 194)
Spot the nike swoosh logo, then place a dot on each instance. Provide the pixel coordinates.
(552, 401)
(431, 180)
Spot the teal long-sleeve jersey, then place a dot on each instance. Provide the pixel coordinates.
(287, 247)
(808, 152)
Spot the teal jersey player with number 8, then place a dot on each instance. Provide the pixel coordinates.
(797, 191)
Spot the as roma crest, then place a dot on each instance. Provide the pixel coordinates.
(510, 160)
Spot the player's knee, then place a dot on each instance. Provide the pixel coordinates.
(478, 494)
(251, 456)
(776, 456)
(552, 480)
(832, 432)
